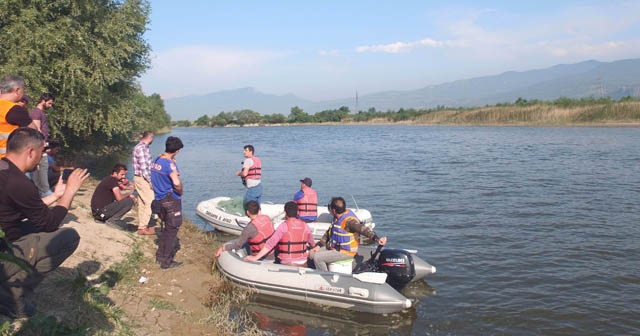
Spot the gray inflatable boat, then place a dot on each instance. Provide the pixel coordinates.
(375, 287)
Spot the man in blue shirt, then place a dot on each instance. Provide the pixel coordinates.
(167, 190)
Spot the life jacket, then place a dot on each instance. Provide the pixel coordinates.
(5, 127)
(340, 239)
(255, 171)
(308, 204)
(293, 244)
(265, 230)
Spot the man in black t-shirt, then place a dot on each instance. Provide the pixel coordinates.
(32, 228)
(108, 203)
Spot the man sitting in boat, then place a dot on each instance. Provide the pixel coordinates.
(293, 239)
(307, 200)
(256, 233)
(341, 239)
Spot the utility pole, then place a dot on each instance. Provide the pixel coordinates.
(602, 88)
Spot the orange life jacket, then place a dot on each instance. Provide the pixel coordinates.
(5, 127)
(265, 230)
(255, 171)
(293, 244)
(308, 204)
(340, 239)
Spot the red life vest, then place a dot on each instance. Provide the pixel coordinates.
(255, 171)
(308, 204)
(340, 239)
(265, 230)
(293, 244)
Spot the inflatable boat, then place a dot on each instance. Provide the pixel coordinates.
(226, 214)
(374, 288)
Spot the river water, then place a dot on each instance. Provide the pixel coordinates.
(534, 231)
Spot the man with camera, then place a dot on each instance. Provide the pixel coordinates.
(34, 239)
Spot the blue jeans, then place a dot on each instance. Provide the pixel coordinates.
(253, 194)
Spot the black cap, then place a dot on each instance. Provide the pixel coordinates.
(307, 181)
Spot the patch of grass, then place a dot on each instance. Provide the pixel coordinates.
(162, 305)
(90, 311)
(538, 114)
(124, 273)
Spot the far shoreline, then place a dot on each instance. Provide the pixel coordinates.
(564, 113)
(634, 124)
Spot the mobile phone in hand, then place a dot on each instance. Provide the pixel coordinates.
(65, 174)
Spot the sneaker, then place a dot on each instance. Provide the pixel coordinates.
(147, 231)
(173, 264)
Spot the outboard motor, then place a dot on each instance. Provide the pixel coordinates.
(398, 264)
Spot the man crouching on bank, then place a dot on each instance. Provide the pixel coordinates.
(32, 228)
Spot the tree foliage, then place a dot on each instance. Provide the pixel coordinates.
(298, 115)
(88, 54)
(244, 117)
(331, 115)
(203, 121)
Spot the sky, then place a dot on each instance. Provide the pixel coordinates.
(322, 50)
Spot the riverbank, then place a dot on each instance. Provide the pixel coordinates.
(111, 285)
(562, 112)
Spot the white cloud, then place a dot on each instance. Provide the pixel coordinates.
(399, 47)
(573, 34)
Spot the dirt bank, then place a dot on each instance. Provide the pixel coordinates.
(89, 292)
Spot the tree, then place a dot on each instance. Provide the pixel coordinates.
(203, 121)
(150, 113)
(88, 54)
(244, 117)
(222, 119)
(277, 118)
(297, 115)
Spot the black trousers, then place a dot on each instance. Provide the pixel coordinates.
(114, 210)
(168, 243)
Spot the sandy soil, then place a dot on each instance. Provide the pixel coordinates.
(169, 302)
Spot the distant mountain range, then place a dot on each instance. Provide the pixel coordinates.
(586, 79)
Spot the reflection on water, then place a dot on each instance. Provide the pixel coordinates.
(290, 317)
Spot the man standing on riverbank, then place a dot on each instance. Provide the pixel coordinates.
(167, 189)
(30, 225)
(40, 121)
(12, 115)
(251, 175)
(142, 182)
